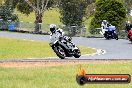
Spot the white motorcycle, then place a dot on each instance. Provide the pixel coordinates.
(64, 47)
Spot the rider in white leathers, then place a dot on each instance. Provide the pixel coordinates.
(104, 26)
(62, 45)
(56, 34)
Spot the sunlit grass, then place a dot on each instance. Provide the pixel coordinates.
(23, 49)
(62, 76)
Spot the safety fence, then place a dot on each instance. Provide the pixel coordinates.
(69, 30)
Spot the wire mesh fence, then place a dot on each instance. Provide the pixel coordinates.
(69, 30)
(74, 30)
(28, 26)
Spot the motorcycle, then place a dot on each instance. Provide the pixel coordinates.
(109, 32)
(64, 47)
(111, 35)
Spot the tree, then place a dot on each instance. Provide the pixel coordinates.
(90, 11)
(1, 1)
(6, 13)
(28, 6)
(7, 16)
(111, 10)
(73, 11)
(39, 11)
(128, 5)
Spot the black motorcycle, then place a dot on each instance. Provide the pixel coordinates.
(65, 48)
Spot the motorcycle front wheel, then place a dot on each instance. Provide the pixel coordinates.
(116, 36)
(60, 52)
(77, 53)
(106, 36)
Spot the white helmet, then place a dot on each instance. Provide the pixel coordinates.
(128, 21)
(104, 20)
(52, 27)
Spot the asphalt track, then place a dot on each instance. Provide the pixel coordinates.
(107, 49)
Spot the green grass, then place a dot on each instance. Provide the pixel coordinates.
(17, 49)
(50, 16)
(62, 76)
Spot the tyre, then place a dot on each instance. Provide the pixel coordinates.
(116, 37)
(77, 53)
(130, 39)
(106, 36)
(60, 52)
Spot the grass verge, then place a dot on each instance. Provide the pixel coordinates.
(62, 76)
(17, 49)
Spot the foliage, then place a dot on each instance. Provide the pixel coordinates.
(1, 2)
(90, 10)
(73, 11)
(28, 6)
(111, 10)
(128, 5)
(25, 8)
(6, 13)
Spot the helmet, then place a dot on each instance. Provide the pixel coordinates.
(105, 21)
(52, 27)
(128, 22)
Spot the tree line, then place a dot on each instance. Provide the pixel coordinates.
(72, 12)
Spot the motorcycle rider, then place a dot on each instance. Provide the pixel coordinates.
(128, 26)
(57, 33)
(130, 33)
(128, 29)
(104, 27)
(64, 48)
